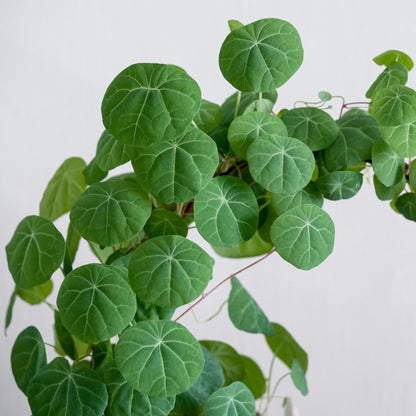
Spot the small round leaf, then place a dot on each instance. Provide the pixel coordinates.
(304, 236)
(110, 212)
(235, 399)
(208, 116)
(165, 222)
(35, 252)
(159, 358)
(130, 101)
(281, 164)
(226, 212)
(169, 271)
(406, 205)
(261, 56)
(339, 185)
(96, 303)
(36, 294)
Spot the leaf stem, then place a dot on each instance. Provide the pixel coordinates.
(237, 105)
(260, 101)
(205, 295)
(269, 399)
(212, 316)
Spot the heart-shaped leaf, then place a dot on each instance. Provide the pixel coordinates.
(235, 399)
(169, 271)
(35, 252)
(28, 357)
(159, 358)
(244, 311)
(130, 101)
(110, 212)
(226, 212)
(95, 303)
(261, 56)
(280, 164)
(63, 189)
(57, 389)
(175, 171)
(304, 236)
(312, 126)
(248, 127)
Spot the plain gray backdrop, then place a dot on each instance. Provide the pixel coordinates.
(356, 313)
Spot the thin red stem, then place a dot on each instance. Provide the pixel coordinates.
(204, 296)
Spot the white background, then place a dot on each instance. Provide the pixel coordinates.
(356, 313)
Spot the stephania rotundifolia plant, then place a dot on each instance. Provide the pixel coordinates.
(253, 184)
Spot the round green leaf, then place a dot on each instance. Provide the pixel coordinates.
(385, 193)
(208, 116)
(63, 189)
(324, 96)
(159, 358)
(261, 56)
(111, 152)
(304, 236)
(248, 127)
(244, 311)
(285, 347)
(401, 138)
(236, 399)
(406, 205)
(129, 104)
(339, 185)
(110, 212)
(169, 271)
(59, 390)
(210, 380)
(36, 294)
(280, 164)
(226, 212)
(395, 106)
(125, 400)
(387, 164)
(394, 74)
(28, 356)
(35, 252)
(307, 195)
(165, 222)
(254, 378)
(231, 362)
(95, 303)
(312, 126)
(175, 171)
(256, 246)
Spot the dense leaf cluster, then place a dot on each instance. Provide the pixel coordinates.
(252, 181)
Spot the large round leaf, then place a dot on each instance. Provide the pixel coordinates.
(387, 164)
(59, 390)
(226, 212)
(261, 56)
(159, 358)
(28, 356)
(110, 212)
(280, 164)
(304, 236)
(111, 152)
(125, 400)
(147, 103)
(312, 126)
(233, 400)
(95, 303)
(35, 252)
(169, 271)
(230, 360)
(175, 171)
(210, 380)
(63, 189)
(248, 127)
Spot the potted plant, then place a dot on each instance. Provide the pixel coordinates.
(253, 182)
